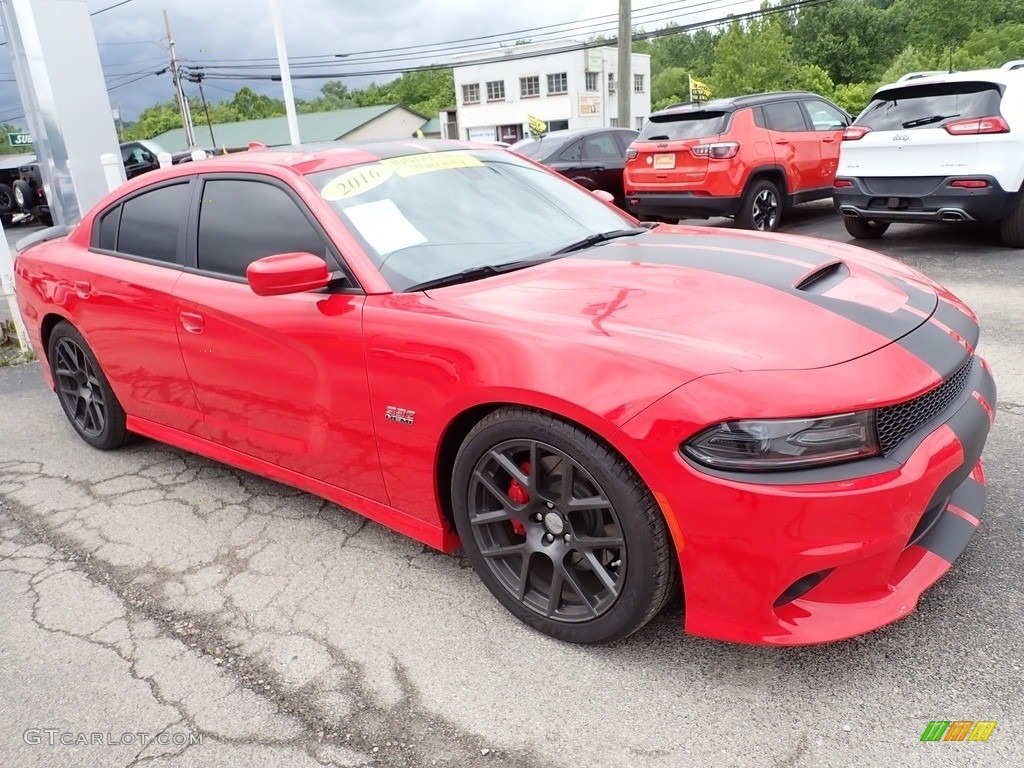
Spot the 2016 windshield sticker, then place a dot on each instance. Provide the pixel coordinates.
(356, 181)
(410, 165)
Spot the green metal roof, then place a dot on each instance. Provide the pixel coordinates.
(273, 131)
(433, 125)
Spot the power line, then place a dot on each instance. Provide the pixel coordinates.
(97, 13)
(508, 56)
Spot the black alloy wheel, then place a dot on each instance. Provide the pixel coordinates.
(762, 207)
(560, 529)
(83, 390)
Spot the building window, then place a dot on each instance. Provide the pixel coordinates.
(496, 90)
(471, 94)
(592, 84)
(640, 123)
(529, 87)
(638, 83)
(558, 125)
(614, 122)
(558, 83)
(611, 82)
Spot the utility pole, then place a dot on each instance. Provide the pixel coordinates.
(206, 109)
(625, 90)
(186, 114)
(286, 77)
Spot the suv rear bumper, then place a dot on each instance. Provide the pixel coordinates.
(942, 203)
(681, 205)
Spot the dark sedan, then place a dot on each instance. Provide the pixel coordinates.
(592, 157)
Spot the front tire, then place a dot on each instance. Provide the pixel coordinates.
(1012, 227)
(761, 209)
(865, 229)
(560, 528)
(7, 204)
(83, 390)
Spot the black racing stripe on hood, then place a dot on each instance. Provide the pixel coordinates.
(738, 242)
(957, 321)
(917, 297)
(936, 348)
(760, 269)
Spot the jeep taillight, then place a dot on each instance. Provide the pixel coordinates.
(721, 151)
(855, 132)
(977, 125)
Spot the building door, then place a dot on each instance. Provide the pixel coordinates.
(510, 134)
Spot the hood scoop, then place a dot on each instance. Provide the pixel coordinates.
(823, 278)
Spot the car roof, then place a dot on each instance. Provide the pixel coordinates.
(733, 103)
(308, 158)
(1002, 76)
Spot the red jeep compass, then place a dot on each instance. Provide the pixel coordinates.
(749, 157)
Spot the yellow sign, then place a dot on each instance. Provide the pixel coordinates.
(699, 91)
(410, 165)
(356, 181)
(537, 126)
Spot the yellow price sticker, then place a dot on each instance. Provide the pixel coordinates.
(356, 181)
(410, 165)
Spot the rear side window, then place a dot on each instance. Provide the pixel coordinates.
(106, 230)
(686, 125)
(930, 106)
(242, 221)
(151, 223)
(785, 116)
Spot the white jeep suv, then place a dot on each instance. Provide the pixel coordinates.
(937, 147)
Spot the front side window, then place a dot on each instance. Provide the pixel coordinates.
(406, 212)
(558, 83)
(496, 90)
(151, 223)
(242, 221)
(601, 147)
(529, 87)
(824, 117)
(471, 93)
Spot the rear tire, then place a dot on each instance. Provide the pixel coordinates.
(865, 229)
(22, 193)
(560, 528)
(1012, 227)
(83, 390)
(761, 209)
(7, 204)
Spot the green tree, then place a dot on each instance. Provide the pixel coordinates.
(850, 39)
(670, 86)
(249, 105)
(752, 57)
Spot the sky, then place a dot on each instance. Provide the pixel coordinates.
(351, 33)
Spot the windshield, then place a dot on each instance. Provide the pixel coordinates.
(685, 125)
(929, 106)
(426, 216)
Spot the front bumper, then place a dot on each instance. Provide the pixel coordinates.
(922, 200)
(831, 554)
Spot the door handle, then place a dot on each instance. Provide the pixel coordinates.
(829, 139)
(192, 322)
(781, 141)
(597, 169)
(83, 288)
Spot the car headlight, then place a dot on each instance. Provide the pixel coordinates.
(754, 445)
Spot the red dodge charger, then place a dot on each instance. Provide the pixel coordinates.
(471, 350)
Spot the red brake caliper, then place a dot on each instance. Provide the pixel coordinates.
(518, 494)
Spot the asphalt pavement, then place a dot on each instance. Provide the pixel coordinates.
(157, 608)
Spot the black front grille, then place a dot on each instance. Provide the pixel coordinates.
(895, 422)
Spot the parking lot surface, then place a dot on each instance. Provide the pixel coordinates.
(148, 591)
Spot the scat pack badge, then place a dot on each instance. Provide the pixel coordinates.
(399, 415)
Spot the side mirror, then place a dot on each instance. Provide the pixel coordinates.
(608, 197)
(285, 273)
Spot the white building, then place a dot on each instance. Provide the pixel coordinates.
(559, 82)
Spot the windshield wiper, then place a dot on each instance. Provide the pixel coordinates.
(473, 273)
(927, 120)
(600, 237)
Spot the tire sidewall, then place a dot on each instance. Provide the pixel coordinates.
(113, 434)
(628, 612)
(746, 220)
